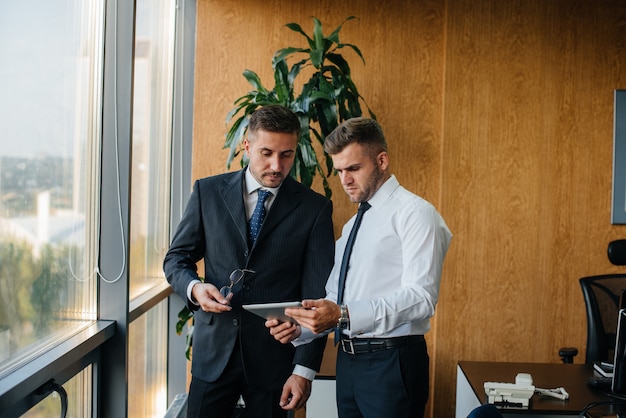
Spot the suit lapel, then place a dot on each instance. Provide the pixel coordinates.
(232, 195)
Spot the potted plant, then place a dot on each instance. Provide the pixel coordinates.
(328, 97)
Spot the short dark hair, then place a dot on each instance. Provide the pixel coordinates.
(366, 132)
(274, 118)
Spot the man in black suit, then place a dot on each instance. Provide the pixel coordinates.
(289, 260)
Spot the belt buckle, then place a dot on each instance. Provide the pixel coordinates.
(347, 346)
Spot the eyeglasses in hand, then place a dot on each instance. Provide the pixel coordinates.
(235, 277)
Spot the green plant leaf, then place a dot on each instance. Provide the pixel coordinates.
(184, 315)
(317, 57)
(334, 37)
(254, 79)
(308, 153)
(189, 342)
(234, 138)
(318, 34)
(295, 70)
(329, 166)
(354, 47)
(372, 115)
(327, 190)
(305, 176)
(327, 118)
(354, 106)
(326, 87)
(233, 112)
(324, 96)
(282, 54)
(282, 87)
(296, 28)
(339, 62)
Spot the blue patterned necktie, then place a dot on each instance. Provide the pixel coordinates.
(343, 272)
(258, 215)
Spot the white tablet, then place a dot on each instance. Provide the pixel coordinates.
(273, 310)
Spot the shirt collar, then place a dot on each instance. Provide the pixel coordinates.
(252, 185)
(384, 192)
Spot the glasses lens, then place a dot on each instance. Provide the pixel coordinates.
(235, 276)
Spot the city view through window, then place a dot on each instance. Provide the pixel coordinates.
(51, 125)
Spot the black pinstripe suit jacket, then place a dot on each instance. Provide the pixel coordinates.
(292, 258)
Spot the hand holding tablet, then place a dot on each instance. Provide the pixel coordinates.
(273, 310)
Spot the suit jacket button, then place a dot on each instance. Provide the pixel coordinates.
(235, 322)
(246, 287)
(245, 254)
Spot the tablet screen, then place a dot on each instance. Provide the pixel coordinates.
(273, 310)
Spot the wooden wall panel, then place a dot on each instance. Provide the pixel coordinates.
(526, 179)
(499, 113)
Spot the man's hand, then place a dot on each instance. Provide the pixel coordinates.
(296, 392)
(285, 332)
(209, 298)
(318, 315)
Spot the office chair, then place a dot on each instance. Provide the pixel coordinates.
(602, 295)
(485, 411)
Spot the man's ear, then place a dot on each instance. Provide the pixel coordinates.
(382, 160)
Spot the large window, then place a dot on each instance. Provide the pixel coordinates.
(152, 142)
(87, 203)
(51, 81)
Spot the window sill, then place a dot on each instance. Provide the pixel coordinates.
(60, 363)
(148, 299)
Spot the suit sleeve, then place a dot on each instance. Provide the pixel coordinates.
(318, 264)
(186, 249)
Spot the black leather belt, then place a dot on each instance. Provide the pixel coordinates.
(371, 345)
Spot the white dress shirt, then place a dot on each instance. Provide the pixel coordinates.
(392, 284)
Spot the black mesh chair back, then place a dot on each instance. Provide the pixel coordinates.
(603, 299)
(602, 296)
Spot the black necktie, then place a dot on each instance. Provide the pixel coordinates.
(258, 215)
(346, 259)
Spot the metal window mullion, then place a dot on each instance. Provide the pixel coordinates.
(111, 399)
(182, 126)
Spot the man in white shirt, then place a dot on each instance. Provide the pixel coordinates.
(391, 285)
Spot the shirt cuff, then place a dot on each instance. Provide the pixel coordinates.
(189, 296)
(305, 372)
(306, 336)
(361, 318)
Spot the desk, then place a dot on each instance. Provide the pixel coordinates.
(471, 376)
